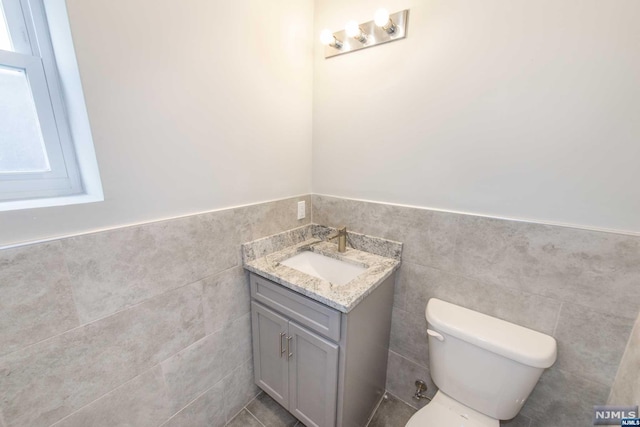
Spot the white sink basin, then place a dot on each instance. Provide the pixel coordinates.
(323, 267)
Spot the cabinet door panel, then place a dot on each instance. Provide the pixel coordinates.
(313, 378)
(270, 363)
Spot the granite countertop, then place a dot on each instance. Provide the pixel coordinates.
(380, 257)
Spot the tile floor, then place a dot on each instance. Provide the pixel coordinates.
(263, 411)
(392, 412)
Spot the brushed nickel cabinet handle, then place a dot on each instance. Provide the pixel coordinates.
(289, 354)
(282, 350)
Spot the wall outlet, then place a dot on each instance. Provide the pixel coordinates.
(302, 209)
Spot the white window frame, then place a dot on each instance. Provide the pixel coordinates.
(42, 40)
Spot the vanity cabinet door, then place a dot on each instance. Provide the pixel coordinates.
(313, 377)
(269, 352)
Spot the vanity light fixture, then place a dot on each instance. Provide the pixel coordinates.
(384, 28)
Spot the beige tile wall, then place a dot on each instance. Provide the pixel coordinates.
(582, 287)
(148, 325)
(143, 325)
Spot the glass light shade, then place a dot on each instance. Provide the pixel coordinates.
(381, 17)
(352, 29)
(326, 37)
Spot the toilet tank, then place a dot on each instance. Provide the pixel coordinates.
(485, 363)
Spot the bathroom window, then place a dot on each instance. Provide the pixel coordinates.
(46, 150)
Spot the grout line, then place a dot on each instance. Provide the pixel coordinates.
(373, 414)
(69, 284)
(125, 308)
(192, 401)
(555, 327)
(167, 392)
(83, 325)
(457, 238)
(249, 412)
(258, 394)
(250, 400)
(528, 292)
(402, 400)
(530, 421)
(130, 307)
(481, 281)
(583, 378)
(408, 360)
(627, 348)
(111, 391)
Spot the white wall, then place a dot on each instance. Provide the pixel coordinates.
(510, 108)
(507, 108)
(194, 105)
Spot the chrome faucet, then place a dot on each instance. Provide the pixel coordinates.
(341, 235)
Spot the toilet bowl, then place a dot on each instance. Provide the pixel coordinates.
(485, 368)
(444, 411)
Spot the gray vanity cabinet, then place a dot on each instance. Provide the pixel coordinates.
(325, 367)
(298, 368)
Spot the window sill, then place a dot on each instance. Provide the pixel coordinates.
(50, 201)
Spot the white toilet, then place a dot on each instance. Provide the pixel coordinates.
(485, 368)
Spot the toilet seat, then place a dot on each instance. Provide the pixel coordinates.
(444, 411)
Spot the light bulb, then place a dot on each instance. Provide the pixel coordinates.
(381, 17)
(352, 29)
(383, 20)
(326, 37)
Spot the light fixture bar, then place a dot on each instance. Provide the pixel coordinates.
(373, 35)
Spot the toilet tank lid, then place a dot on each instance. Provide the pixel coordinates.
(498, 336)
